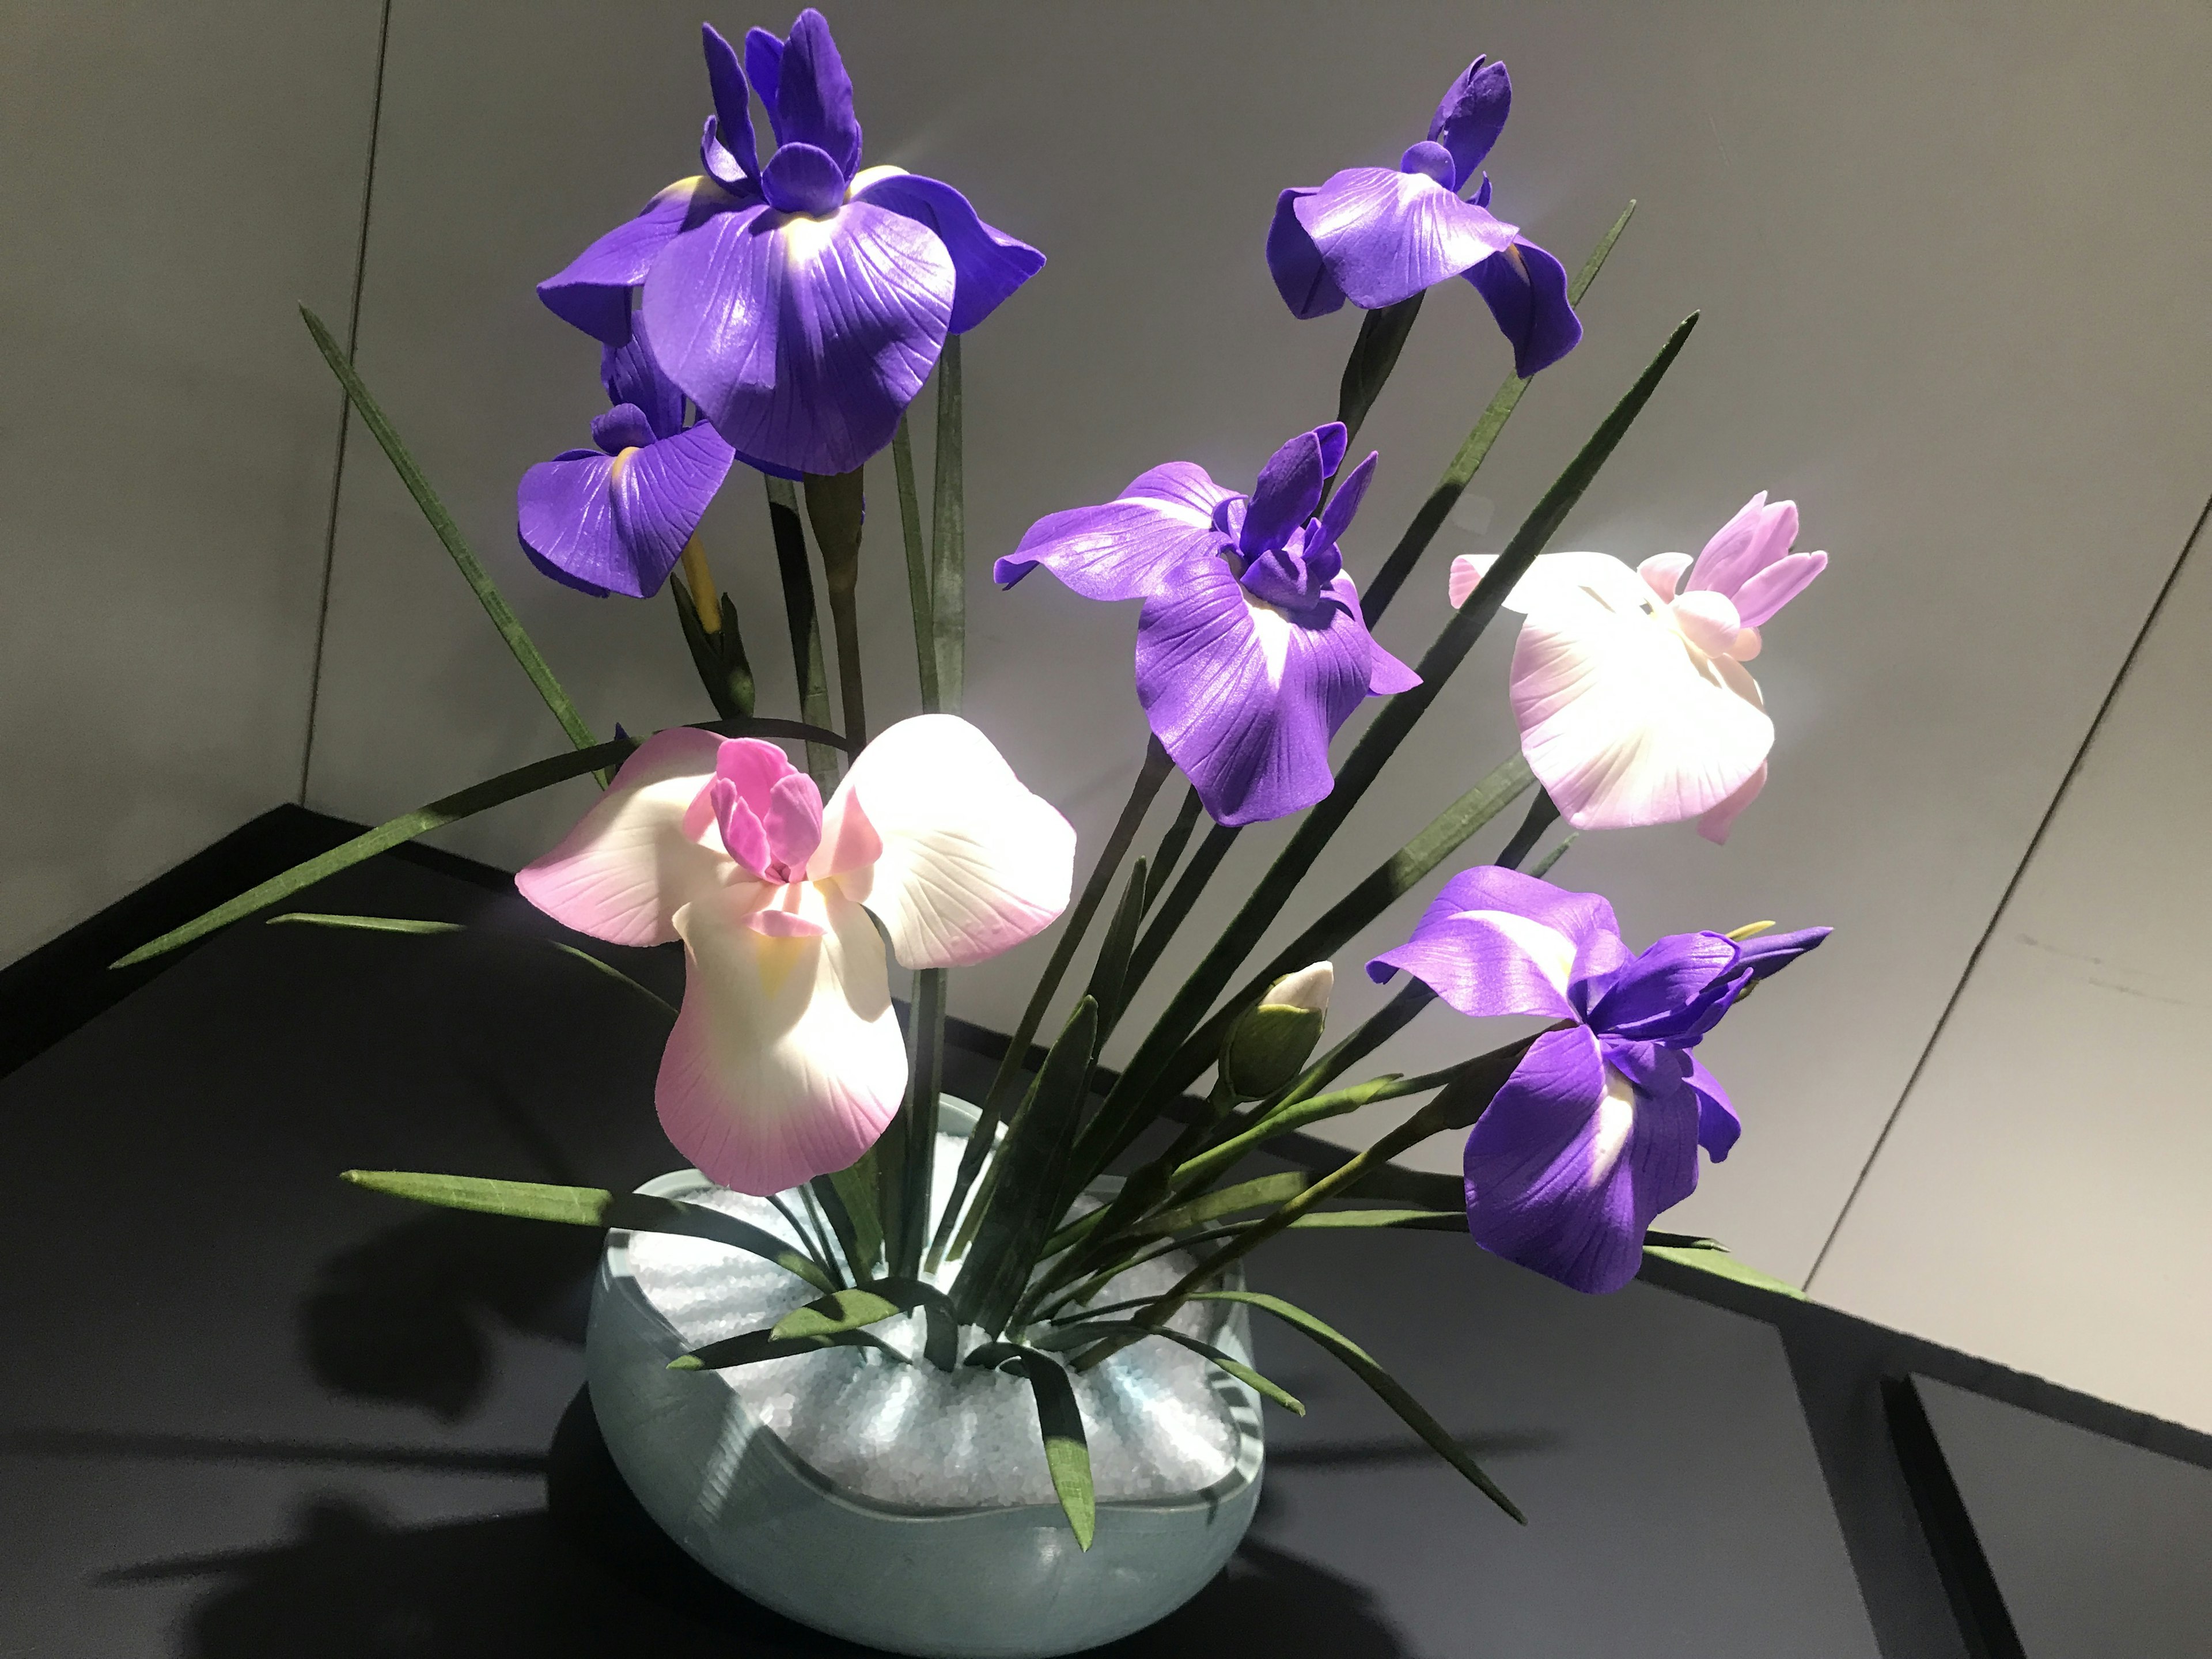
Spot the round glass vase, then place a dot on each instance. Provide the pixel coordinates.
(1004, 1582)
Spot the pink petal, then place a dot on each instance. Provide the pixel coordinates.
(786, 1062)
(631, 864)
(1708, 621)
(1556, 577)
(971, 862)
(1715, 825)
(1663, 573)
(1776, 586)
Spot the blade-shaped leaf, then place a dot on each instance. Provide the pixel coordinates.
(1255, 1194)
(718, 657)
(1032, 1164)
(789, 534)
(591, 1206)
(856, 1187)
(1435, 1221)
(1707, 1256)
(834, 509)
(750, 1348)
(1077, 1336)
(1171, 845)
(409, 925)
(495, 604)
(1113, 965)
(1362, 1364)
(948, 542)
(1067, 1450)
(872, 1304)
(917, 565)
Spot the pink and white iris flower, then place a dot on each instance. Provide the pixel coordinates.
(786, 1062)
(1634, 704)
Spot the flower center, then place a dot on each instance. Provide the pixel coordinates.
(773, 838)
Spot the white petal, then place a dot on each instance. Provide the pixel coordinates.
(1309, 989)
(786, 1062)
(970, 862)
(1625, 723)
(1558, 576)
(629, 864)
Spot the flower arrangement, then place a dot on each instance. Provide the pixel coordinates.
(779, 318)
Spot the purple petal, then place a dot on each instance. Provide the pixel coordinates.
(1290, 580)
(1185, 483)
(1431, 161)
(1571, 1164)
(1770, 953)
(1759, 598)
(1351, 490)
(565, 521)
(803, 179)
(1674, 992)
(1296, 264)
(1386, 236)
(1290, 485)
(733, 111)
(1495, 941)
(1758, 536)
(631, 376)
(660, 493)
(717, 161)
(1526, 290)
(813, 102)
(1481, 197)
(1718, 1127)
(1129, 549)
(623, 427)
(989, 265)
(764, 68)
(803, 340)
(1243, 698)
(593, 293)
(1471, 115)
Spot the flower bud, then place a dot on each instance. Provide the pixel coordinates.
(1270, 1044)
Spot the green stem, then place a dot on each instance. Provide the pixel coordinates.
(1171, 845)
(1543, 813)
(1150, 774)
(1374, 354)
(1377, 1029)
(1543, 865)
(834, 508)
(949, 538)
(925, 1078)
(1122, 1117)
(917, 566)
(1419, 534)
(805, 624)
(1203, 863)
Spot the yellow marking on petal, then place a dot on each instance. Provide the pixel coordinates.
(621, 461)
(868, 176)
(804, 237)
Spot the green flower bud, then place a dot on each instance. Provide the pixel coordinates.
(1270, 1044)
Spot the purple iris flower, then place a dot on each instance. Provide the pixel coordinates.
(1375, 236)
(802, 303)
(614, 519)
(1597, 1131)
(1250, 648)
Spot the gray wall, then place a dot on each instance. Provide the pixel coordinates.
(1953, 282)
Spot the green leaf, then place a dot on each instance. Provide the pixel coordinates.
(948, 581)
(1032, 1167)
(917, 566)
(919, 1112)
(1255, 1194)
(719, 657)
(471, 568)
(751, 1347)
(1709, 1257)
(1177, 907)
(1113, 963)
(830, 1206)
(834, 508)
(1427, 1221)
(1171, 845)
(1067, 1450)
(1374, 354)
(404, 925)
(1079, 1336)
(1210, 1164)
(856, 1187)
(590, 1207)
(1362, 1365)
(804, 623)
(872, 1303)
(1162, 1066)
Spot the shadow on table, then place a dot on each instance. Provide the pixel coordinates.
(592, 1575)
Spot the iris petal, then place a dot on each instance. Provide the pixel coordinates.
(1471, 115)
(1301, 275)
(593, 291)
(1385, 236)
(988, 265)
(1128, 547)
(1526, 290)
(660, 494)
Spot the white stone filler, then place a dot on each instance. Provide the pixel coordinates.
(912, 1435)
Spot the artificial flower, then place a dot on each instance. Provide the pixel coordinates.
(786, 1062)
(614, 519)
(1375, 236)
(1634, 704)
(1250, 648)
(802, 303)
(1597, 1130)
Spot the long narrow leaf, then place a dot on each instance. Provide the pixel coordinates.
(1210, 1164)
(919, 600)
(873, 1303)
(1060, 1420)
(1362, 1364)
(804, 621)
(1113, 964)
(751, 1347)
(1706, 1256)
(834, 508)
(948, 579)
(1021, 1206)
(441, 522)
(408, 924)
(1255, 1194)
(1077, 1336)
(1170, 854)
(591, 1206)
(856, 1187)
(1170, 914)
(1374, 354)
(918, 1138)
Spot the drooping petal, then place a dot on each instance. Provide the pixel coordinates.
(813, 99)
(631, 376)
(1289, 486)
(1675, 990)
(733, 109)
(593, 292)
(786, 1060)
(1301, 276)
(1470, 115)
(1716, 824)
(988, 265)
(1128, 547)
(1385, 236)
(1718, 1127)
(1526, 290)
(565, 520)
(1764, 594)
(629, 864)
(1494, 941)
(1570, 1163)
(660, 493)
(803, 340)
(1243, 697)
(970, 864)
(1623, 721)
